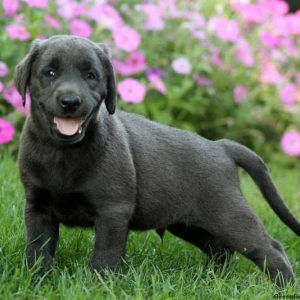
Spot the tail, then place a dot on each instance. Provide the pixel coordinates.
(257, 169)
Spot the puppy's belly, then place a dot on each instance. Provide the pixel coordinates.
(144, 219)
(74, 210)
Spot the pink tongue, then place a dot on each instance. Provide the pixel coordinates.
(67, 126)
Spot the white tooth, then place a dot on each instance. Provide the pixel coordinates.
(80, 130)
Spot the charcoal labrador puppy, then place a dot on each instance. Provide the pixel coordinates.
(83, 164)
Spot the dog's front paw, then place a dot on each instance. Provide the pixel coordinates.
(104, 262)
(39, 262)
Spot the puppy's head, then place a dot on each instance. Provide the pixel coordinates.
(67, 77)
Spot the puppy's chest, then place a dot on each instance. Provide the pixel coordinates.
(65, 180)
(62, 175)
(73, 209)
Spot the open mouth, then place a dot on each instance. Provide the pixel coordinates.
(71, 129)
(68, 126)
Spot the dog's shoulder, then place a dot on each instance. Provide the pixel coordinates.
(140, 125)
(146, 133)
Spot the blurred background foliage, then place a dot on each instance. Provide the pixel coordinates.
(207, 66)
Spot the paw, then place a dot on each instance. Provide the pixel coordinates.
(102, 264)
(42, 260)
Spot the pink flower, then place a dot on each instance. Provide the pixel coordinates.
(203, 81)
(69, 9)
(195, 19)
(225, 29)
(241, 94)
(131, 90)
(292, 21)
(244, 53)
(154, 23)
(168, 9)
(198, 34)
(269, 39)
(12, 96)
(250, 13)
(126, 38)
(269, 74)
(213, 23)
(290, 143)
(181, 65)
(1, 86)
(17, 32)
(228, 30)
(288, 95)
(153, 16)
(288, 46)
(278, 56)
(7, 131)
(261, 11)
(80, 28)
(10, 7)
(41, 37)
(297, 78)
(216, 58)
(133, 64)
(3, 69)
(37, 3)
(106, 15)
(52, 22)
(158, 72)
(275, 7)
(287, 25)
(156, 82)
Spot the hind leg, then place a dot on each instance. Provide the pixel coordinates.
(199, 237)
(240, 230)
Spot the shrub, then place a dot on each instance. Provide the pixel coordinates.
(221, 69)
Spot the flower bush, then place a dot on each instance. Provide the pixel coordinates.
(220, 68)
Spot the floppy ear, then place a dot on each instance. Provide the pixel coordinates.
(23, 70)
(110, 100)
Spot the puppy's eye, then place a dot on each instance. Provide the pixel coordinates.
(91, 75)
(50, 73)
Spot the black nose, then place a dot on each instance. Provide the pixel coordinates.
(70, 102)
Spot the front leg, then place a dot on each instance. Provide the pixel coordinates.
(111, 235)
(42, 230)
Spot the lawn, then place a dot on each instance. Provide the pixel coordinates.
(152, 269)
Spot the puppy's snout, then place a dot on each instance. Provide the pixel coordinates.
(69, 102)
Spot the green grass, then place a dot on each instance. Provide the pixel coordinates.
(152, 270)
